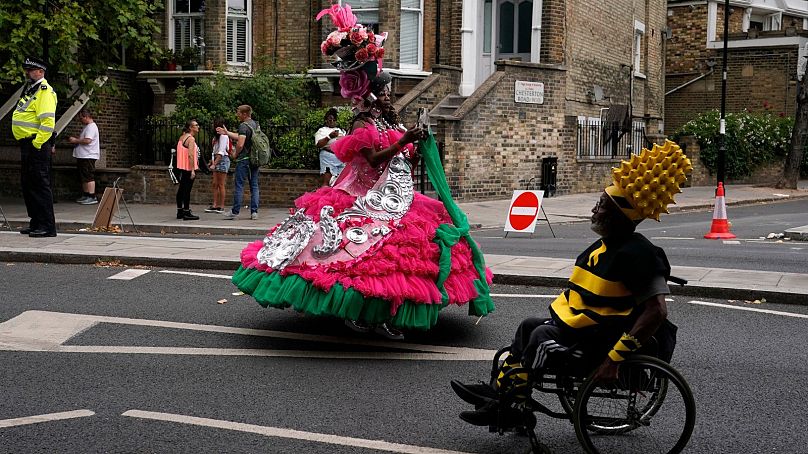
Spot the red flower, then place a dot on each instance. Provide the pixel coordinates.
(380, 52)
(362, 55)
(358, 37)
(371, 48)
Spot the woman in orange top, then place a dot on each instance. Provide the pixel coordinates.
(187, 151)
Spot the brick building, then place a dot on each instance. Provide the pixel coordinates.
(515, 87)
(766, 48)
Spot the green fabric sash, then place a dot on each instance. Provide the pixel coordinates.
(448, 235)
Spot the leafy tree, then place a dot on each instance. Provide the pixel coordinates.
(85, 37)
(282, 102)
(799, 140)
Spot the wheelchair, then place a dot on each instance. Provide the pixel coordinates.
(649, 409)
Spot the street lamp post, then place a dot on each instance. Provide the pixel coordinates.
(722, 138)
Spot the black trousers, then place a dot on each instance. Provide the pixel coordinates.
(36, 185)
(184, 190)
(540, 342)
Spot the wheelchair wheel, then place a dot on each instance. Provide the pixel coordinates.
(650, 409)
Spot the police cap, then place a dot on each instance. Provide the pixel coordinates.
(34, 63)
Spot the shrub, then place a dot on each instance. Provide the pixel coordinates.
(752, 139)
(283, 104)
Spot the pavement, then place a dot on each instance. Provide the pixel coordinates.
(150, 235)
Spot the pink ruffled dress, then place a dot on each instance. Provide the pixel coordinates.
(363, 249)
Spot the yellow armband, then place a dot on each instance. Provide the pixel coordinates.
(626, 344)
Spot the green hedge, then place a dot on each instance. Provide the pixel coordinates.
(753, 139)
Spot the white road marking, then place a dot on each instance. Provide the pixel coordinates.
(671, 238)
(191, 273)
(750, 309)
(731, 242)
(47, 331)
(44, 418)
(279, 432)
(128, 275)
(517, 295)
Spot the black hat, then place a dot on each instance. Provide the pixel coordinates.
(380, 82)
(34, 63)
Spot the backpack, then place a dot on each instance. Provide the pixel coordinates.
(260, 152)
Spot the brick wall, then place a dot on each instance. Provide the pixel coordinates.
(215, 34)
(151, 184)
(443, 81)
(554, 31)
(599, 41)
(499, 144)
(757, 80)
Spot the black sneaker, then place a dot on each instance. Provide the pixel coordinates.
(491, 414)
(212, 209)
(477, 394)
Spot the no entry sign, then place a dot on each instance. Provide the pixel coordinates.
(524, 211)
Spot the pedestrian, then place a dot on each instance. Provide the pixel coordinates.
(86, 152)
(330, 165)
(187, 152)
(219, 165)
(32, 125)
(244, 170)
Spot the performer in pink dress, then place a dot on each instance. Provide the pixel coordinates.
(367, 249)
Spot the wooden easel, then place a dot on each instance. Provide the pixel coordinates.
(109, 208)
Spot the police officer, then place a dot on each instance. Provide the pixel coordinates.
(33, 125)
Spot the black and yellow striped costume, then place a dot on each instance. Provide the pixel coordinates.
(604, 282)
(610, 280)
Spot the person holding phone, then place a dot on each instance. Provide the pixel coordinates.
(369, 249)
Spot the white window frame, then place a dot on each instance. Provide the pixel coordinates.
(246, 16)
(172, 28)
(639, 32)
(420, 11)
(364, 10)
(773, 21)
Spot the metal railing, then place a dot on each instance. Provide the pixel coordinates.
(597, 139)
(154, 139)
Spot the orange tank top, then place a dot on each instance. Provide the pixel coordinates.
(184, 160)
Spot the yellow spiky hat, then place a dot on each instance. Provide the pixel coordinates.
(644, 186)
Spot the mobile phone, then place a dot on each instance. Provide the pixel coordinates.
(423, 118)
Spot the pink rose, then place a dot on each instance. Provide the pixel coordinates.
(380, 53)
(356, 38)
(371, 49)
(362, 55)
(324, 47)
(336, 37)
(353, 83)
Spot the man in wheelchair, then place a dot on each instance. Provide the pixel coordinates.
(615, 300)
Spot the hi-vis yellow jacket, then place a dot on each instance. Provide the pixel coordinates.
(35, 114)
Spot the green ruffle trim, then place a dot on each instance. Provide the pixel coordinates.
(448, 235)
(274, 290)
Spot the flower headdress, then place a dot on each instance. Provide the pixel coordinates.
(644, 186)
(357, 51)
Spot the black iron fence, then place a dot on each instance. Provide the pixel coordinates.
(597, 139)
(293, 147)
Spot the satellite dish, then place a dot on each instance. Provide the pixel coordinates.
(597, 90)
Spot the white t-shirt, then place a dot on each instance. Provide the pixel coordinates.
(324, 132)
(222, 147)
(93, 149)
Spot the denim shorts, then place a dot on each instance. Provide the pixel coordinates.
(223, 165)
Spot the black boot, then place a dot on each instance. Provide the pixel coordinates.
(180, 213)
(188, 216)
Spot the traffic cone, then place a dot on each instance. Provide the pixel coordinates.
(720, 228)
